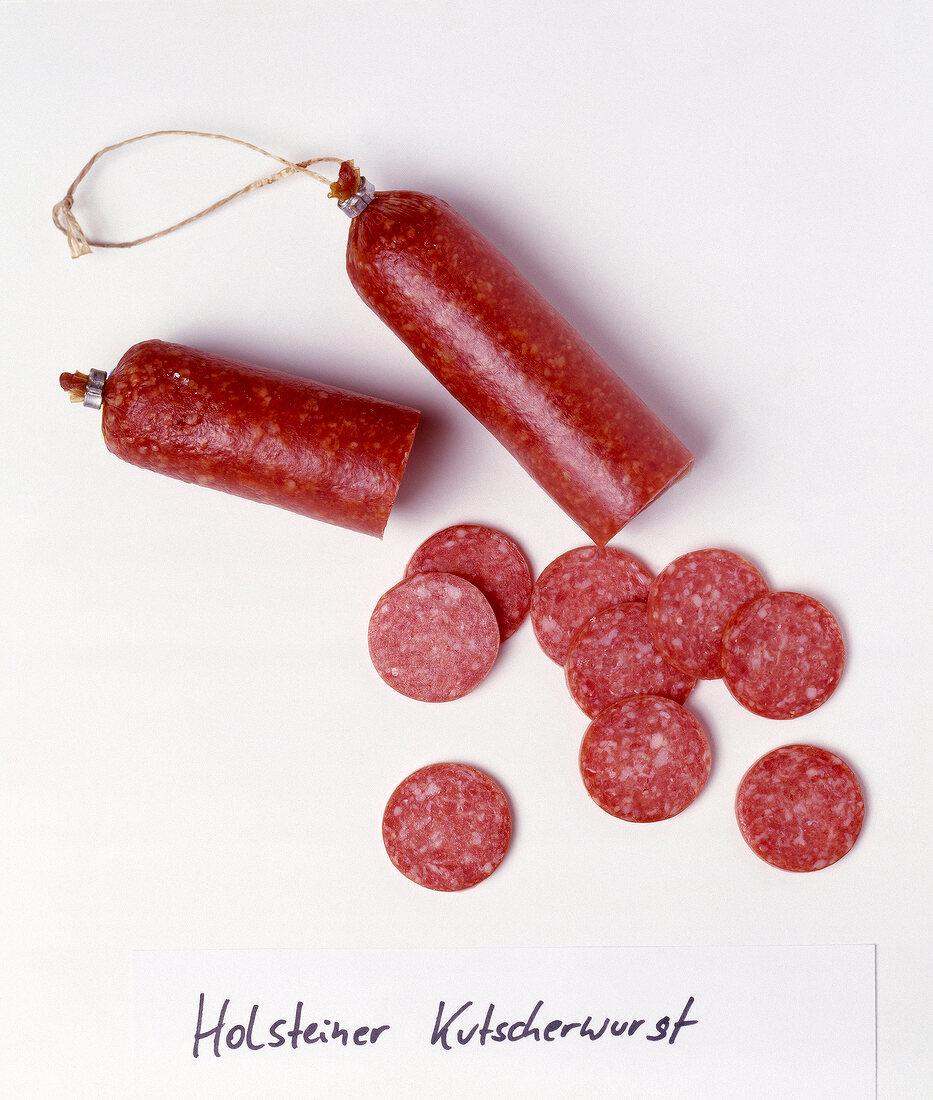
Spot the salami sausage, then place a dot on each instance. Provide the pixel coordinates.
(612, 655)
(433, 637)
(800, 808)
(578, 584)
(447, 826)
(511, 360)
(691, 600)
(782, 654)
(645, 758)
(487, 558)
(323, 452)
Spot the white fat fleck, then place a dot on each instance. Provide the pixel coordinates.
(696, 600)
(657, 740)
(453, 592)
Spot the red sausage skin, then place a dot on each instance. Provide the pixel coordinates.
(270, 437)
(512, 361)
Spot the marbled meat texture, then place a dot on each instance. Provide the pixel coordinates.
(612, 655)
(800, 808)
(578, 584)
(782, 654)
(487, 558)
(433, 637)
(691, 601)
(644, 759)
(447, 826)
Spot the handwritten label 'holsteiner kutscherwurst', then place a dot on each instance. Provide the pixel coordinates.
(454, 1027)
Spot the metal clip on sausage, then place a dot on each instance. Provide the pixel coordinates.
(86, 388)
(356, 204)
(94, 389)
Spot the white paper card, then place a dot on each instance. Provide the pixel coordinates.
(647, 1022)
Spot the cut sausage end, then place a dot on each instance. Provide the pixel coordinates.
(690, 603)
(782, 655)
(612, 656)
(575, 586)
(800, 808)
(487, 558)
(603, 534)
(433, 637)
(644, 759)
(447, 827)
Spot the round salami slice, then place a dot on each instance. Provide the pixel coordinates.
(612, 655)
(447, 826)
(691, 600)
(577, 585)
(800, 808)
(487, 558)
(433, 637)
(782, 654)
(644, 758)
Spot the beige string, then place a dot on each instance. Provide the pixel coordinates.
(80, 245)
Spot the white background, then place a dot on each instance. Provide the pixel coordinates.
(730, 200)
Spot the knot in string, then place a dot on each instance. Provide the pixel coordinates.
(80, 245)
(68, 224)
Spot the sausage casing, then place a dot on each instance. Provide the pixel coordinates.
(279, 439)
(505, 354)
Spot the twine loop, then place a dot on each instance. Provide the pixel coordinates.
(80, 245)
